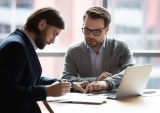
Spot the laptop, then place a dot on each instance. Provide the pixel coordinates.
(133, 83)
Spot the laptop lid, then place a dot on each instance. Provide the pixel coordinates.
(134, 81)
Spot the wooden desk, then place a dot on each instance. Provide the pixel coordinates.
(139, 104)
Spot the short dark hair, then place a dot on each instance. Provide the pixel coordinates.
(98, 12)
(51, 15)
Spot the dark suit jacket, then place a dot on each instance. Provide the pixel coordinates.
(21, 84)
(117, 56)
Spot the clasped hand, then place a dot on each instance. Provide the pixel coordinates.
(86, 87)
(99, 84)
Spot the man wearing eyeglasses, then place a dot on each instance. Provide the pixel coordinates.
(96, 63)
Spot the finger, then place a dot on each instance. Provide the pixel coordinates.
(67, 84)
(81, 89)
(89, 89)
(78, 87)
(65, 92)
(101, 78)
(97, 87)
(86, 90)
(84, 84)
(109, 74)
(64, 80)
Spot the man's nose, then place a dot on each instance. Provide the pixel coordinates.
(52, 40)
(91, 35)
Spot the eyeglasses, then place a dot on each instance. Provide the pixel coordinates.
(95, 32)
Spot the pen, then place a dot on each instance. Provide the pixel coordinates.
(60, 81)
(65, 81)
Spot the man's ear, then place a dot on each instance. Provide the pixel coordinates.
(107, 28)
(42, 24)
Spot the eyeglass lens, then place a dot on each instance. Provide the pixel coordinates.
(96, 32)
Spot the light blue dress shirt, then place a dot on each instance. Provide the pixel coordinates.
(96, 60)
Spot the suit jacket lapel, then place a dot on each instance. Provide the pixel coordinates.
(30, 48)
(107, 57)
(86, 59)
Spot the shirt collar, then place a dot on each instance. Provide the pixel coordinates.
(30, 38)
(103, 45)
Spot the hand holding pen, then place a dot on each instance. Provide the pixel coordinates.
(59, 88)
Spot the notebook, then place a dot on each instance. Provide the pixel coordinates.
(133, 82)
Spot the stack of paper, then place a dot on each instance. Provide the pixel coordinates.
(78, 98)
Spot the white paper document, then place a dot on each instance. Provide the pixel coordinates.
(78, 98)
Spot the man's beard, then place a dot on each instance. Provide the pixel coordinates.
(40, 39)
(93, 44)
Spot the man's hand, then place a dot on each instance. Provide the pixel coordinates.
(103, 76)
(58, 88)
(80, 86)
(96, 86)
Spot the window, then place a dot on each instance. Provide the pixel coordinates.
(24, 3)
(73, 10)
(131, 4)
(140, 23)
(4, 28)
(137, 22)
(5, 3)
(127, 30)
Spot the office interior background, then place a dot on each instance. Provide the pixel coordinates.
(136, 21)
